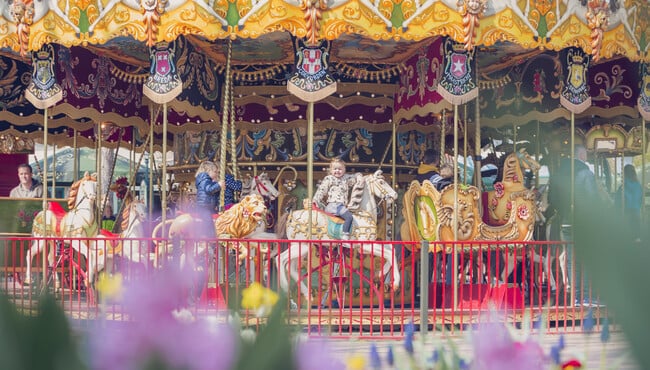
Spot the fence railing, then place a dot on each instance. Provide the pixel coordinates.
(340, 288)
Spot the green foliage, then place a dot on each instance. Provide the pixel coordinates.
(618, 268)
(273, 347)
(41, 342)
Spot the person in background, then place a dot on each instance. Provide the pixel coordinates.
(207, 192)
(333, 192)
(445, 178)
(586, 196)
(629, 198)
(429, 166)
(28, 187)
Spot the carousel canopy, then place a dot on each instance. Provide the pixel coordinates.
(386, 56)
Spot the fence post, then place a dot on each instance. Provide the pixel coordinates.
(424, 288)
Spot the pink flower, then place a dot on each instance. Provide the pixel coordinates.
(314, 355)
(523, 212)
(495, 349)
(499, 189)
(509, 205)
(155, 333)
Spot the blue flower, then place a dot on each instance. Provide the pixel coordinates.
(604, 334)
(408, 339)
(435, 356)
(589, 322)
(375, 361)
(390, 357)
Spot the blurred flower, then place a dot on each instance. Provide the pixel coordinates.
(110, 287)
(390, 357)
(314, 354)
(495, 349)
(409, 333)
(155, 334)
(572, 365)
(375, 360)
(248, 335)
(183, 315)
(356, 362)
(604, 334)
(589, 322)
(257, 297)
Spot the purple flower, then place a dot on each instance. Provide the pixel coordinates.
(409, 333)
(155, 333)
(589, 322)
(375, 360)
(390, 356)
(495, 349)
(604, 334)
(315, 355)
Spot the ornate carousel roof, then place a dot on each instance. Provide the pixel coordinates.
(387, 57)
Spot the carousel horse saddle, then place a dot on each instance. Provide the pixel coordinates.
(334, 223)
(58, 212)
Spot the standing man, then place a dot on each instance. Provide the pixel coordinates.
(586, 195)
(28, 187)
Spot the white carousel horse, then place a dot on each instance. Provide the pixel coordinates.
(79, 222)
(127, 244)
(364, 228)
(260, 184)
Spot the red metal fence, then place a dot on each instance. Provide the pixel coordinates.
(339, 288)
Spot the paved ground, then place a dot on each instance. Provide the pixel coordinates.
(582, 346)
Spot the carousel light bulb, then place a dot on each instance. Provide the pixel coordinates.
(372, 95)
(270, 118)
(361, 117)
(300, 116)
(340, 95)
(332, 118)
(358, 93)
(285, 120)
(272, 96)
(188, 120)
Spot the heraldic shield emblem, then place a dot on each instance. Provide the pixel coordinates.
(311, 81)
(644, 94)
(43, 91)
(457, 83)
(163, 83)
(575, 94)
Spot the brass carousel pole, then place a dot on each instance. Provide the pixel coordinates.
(394, 174)
(150, 185)
(465, 146)
(478, 180)
(643, 185)
(455, 214)
(98, 170)
(163, 174)
(75, 160)
(572, 203)
(45, 252)
(224, 125)
(53, 171)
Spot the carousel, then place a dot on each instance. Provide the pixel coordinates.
(272, 91)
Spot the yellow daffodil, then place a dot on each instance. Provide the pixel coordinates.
(257, 297)
(356, 362)
(110, 287)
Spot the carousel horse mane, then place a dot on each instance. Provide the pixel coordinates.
(74, 189)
